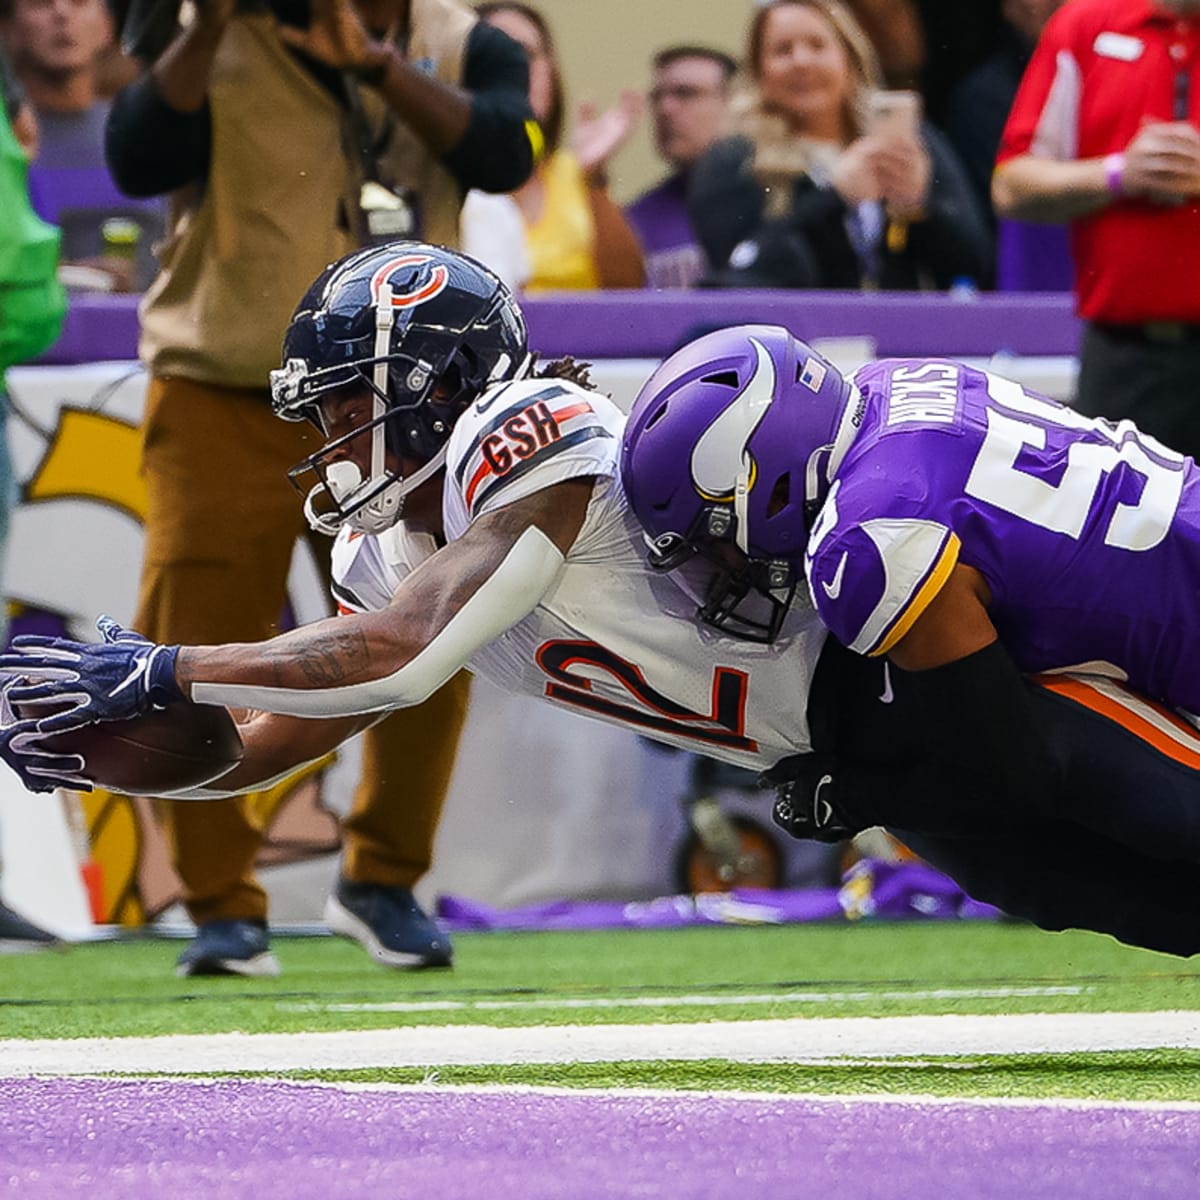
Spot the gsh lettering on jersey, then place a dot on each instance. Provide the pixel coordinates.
(519, 437)
(524, 424)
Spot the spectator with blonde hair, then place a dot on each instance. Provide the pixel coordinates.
(812, 189)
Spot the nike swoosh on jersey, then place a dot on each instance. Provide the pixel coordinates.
(888, 695)
(491, 396)
(833, 587)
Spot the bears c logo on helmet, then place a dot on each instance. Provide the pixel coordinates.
(422, 290)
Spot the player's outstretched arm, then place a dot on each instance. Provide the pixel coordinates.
(463, 597)
(468, 593)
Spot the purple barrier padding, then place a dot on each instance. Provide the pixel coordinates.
(98, 328)
(652, 324)
(739, 907)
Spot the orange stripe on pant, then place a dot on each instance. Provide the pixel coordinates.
(1155, 724)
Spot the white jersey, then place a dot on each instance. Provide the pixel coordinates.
(610, 638)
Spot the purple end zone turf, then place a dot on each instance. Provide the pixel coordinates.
(142, 1139)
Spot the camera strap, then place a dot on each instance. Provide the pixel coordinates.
(387, 211)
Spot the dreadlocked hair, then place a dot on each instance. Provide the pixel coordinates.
(568, 368)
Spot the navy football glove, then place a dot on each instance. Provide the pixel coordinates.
(40, 770)
(124, 676)
(806, 799)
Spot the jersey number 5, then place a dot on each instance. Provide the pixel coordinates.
(1020, 421)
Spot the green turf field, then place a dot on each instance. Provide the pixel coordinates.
(128, 988)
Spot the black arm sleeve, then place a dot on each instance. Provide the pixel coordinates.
(981, 763)
(150, 147)
(495, 153)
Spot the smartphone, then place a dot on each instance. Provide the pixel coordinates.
(894, 114)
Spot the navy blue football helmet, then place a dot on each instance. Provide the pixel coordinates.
(426, 330)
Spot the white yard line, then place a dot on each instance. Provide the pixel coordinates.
(792, 1040)
(736, 1000)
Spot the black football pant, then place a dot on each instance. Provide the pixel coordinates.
(1124, 374)
(1120, 853)
(1121, 856)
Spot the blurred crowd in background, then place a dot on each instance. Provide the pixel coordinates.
(781, 165)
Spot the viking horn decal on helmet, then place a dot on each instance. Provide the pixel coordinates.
(720, 454)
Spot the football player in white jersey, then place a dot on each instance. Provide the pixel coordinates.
(481, 520)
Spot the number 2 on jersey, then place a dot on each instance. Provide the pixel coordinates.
(723, 726)
(1064, 506)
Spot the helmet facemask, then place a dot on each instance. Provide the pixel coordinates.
(743, 597)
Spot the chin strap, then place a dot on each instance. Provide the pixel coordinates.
(741, 509)
(817, 475)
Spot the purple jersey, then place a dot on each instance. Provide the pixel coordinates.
(1087, 532)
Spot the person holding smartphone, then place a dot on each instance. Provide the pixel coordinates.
(828, 181)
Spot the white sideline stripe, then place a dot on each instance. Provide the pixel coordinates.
(792, 1040)
(431, 1087)
(741, 1000)
(833, 1099)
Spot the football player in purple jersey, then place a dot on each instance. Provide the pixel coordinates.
(1024, 580)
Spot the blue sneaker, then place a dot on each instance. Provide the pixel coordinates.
(228, 947)
(388, 923)
(18, 933)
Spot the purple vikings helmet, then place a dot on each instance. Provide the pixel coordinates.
(727, 445)
(426, 330)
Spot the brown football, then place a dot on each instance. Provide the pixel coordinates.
(181, 746)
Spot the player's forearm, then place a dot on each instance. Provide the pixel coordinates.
(330, 657)
(372, 662)
(1049, 191)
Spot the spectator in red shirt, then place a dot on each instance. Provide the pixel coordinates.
(1103, 136)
